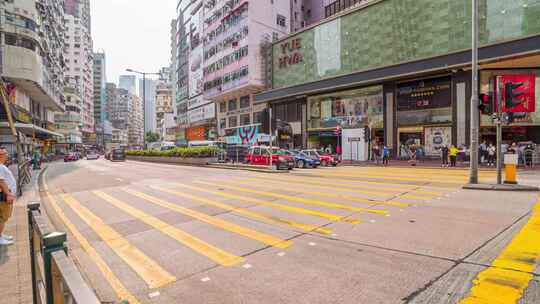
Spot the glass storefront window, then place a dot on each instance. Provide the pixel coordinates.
(349, 109)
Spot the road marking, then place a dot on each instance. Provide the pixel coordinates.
(297, 199)
(350, 184)
(247, 266)
(248, 213)
(146, 268)
(215, 221)
(510, 273)
(338, 196)
(119, 289)
(329, 216)
(154, 294)
(312, 244)
(205, 279)
(397, 178)
(215, 254)
(281, 254)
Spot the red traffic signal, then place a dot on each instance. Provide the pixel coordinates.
(485, 104)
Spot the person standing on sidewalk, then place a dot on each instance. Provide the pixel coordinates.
(8, 185)
(491, 154)
(386, 155)
(444, 156)
(453, 152)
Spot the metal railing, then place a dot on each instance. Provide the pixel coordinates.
(55, 278)
(24, 176)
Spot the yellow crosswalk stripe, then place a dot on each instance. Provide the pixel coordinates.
(396, 178)
(510, 273)
(353, 184)
(246, 232)
(118, 287)
(326, 194)
(146, 268)
(438, 171)
(297, 199)
(256, 215)
(333, 184)
(215, 254)
(293, 209)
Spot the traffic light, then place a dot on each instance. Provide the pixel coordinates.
(485, 103)
(511, 96)
(265, 122)
(367, 134)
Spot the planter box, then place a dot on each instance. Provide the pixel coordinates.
(202, 161)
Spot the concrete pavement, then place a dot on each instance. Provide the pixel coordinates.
(154, 233)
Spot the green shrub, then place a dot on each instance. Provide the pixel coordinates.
(193, 152)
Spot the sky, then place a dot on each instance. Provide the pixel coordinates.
(134, 34)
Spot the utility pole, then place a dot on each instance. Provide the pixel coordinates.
(473, 174)
(270, 131)
(498, 123)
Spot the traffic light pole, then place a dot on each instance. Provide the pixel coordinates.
(498, 122)
(475, 115)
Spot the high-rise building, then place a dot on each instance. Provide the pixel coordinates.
(174, 62)
(148, 89)
(32, 66)
(101, 119)
(164, 104)
(307, 12)
(128, 82)
(126, 116)
(236, 41)
(79, 59)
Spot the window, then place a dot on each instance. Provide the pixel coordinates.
(244, 102)
(10, 39)
(222, 107)
(223, 123)
(281, 20)
(245, 119)
(233, 121)
(257, 117)
(232, 105)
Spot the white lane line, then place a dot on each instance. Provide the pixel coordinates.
(372, 221)
(154, 294)
(281, 254)
(247, 266)
(205, 279)
(312, 244)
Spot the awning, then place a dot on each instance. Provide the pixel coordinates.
(29, 128)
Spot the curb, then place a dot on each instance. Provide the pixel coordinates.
(213, 166)
(503, 187)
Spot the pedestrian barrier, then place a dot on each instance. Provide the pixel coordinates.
(24, 176)
(55, 278)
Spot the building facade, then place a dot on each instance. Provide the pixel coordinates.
(376, 67)
(148, 90)
(164, 104)
(78, 52)
(126, 116)
(101, 115)
(128, 82)
(33, 69)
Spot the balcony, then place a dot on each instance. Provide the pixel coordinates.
(25, 68)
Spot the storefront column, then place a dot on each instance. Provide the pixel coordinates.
(389, 117)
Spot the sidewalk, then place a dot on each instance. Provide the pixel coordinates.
(16, 278)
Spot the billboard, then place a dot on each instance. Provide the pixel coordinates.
(518, 93)
(205, 112)
(246, 135)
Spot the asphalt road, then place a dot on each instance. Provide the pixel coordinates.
(155, 233)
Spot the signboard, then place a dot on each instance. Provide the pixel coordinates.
(436, 138)
(247, 135)
(290, 53)
(202, 113)
(424, 94)
(196, 133)
(196, 54)
(353, 147)
(518, 93)
(197, 102)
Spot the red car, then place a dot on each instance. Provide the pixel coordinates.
(260, 155)
(70, 157)
(326, 160)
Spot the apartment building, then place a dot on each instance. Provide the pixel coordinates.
(32, 66)
(101, 116)
(147, 88)
(164, 104)
(78, 52)
(306, 12)
(126, 115)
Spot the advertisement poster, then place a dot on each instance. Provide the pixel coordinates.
(424, 94)
(205, 112)
(196, 53)
(436, 138)
(247, 135)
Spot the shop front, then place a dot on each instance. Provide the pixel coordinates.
(424, 114)
(351, 109)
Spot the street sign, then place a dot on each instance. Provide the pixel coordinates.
(354, 139)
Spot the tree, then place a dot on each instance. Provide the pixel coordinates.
(151, 137)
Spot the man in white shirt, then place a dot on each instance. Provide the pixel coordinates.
(8, 185)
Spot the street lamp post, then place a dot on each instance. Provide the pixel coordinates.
(475, 115)
(143, 100)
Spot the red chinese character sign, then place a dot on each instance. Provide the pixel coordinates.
(517, 93)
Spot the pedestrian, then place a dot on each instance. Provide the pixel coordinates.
(513, 148)
(483, 149)
(376, 153)
(444, 156)
(386, 155)
(453, 152)
(8, 185)
(412, 154)
(491, 150)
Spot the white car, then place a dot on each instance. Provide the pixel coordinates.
(92, 155)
